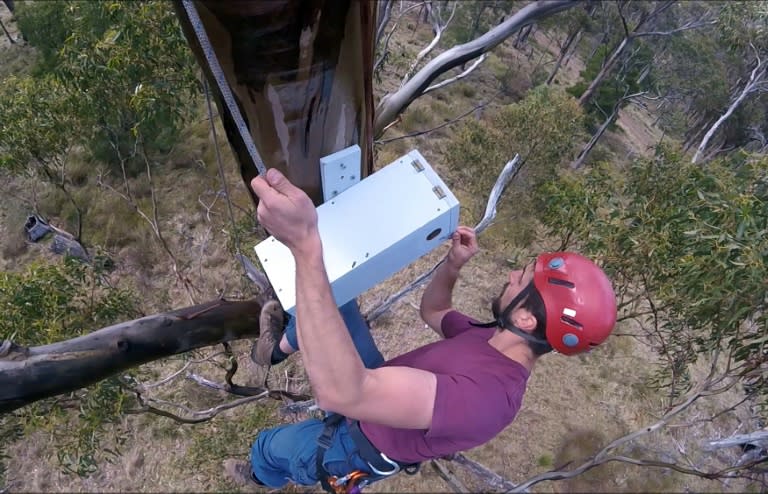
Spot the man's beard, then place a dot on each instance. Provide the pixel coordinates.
(496, 304)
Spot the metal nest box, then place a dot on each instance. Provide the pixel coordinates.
(370, 230)
(36, 227)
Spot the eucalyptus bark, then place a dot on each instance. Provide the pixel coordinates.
(302, 76)
(28, 374)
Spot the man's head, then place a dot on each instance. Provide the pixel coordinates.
(561, 301)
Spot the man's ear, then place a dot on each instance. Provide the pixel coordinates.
(524, 319)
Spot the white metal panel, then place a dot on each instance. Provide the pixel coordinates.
(340, 171)
(372, 230)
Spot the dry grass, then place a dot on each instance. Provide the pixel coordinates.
(573, 405)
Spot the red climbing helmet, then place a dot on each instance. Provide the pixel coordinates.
(578, 299)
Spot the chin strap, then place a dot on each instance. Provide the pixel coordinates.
(501, 320)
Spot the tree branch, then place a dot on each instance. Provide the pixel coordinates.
(464, 74)
(444, 124)
(28, 374)
(507, 173)
(393, 104)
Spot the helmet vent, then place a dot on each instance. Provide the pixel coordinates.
(558, 281)
(571, 322)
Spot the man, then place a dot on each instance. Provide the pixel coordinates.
(445, 397)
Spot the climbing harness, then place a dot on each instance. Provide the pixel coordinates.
(352, 483)
(221, 82)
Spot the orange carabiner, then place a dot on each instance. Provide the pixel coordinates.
(347, 483)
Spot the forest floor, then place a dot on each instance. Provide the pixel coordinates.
(573, 407)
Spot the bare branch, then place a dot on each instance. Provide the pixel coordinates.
(438, 27)
(481, 471)
(382, 19)
(464, 74)
(756, 438)
(755, 78)
(385, 48)
(190, 416)
(446, 475)
(686, 27)
(391, 105)
(444, 124)
(246, 390)
(507, 173)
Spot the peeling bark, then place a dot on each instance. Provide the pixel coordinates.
(302, 75)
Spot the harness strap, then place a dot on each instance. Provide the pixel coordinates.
(380, 465)
(378, 461)
(330, 424)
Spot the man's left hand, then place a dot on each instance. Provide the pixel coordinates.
(285, 210)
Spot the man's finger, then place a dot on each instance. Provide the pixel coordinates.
(261, 187)
(278, 181)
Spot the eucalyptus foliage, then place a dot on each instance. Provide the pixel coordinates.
(687, 248)
(543, 128)
(124, 67)
(47, 303)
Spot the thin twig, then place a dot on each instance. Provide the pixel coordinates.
(444, 124)
(507, 173)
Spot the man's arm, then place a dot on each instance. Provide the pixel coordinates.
(436, 301)
(394, 396)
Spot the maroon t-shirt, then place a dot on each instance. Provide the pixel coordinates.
(479, 392)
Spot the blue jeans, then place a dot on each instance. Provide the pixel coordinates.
(358, 330)
(289, 452)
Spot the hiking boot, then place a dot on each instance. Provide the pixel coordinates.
(239, 472)
(271, 331)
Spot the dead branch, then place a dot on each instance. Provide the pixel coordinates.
(153, 221)
(438, 28)
(446, 475)
(759, 439)
(385, 48)
(507, 173)
(247, 390)
(754, 84)
(28, 374)
(482, 472)
(392, 104)
(382, 19)
(148, 405)
(442, 125)
(464, 74)
(707, 388)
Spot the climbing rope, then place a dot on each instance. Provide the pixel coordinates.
(223, 85)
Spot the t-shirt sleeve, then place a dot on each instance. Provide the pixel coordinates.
(454, 323)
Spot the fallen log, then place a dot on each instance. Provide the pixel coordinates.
(28, 374)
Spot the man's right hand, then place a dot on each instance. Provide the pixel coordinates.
(463, 247)
(285, 211)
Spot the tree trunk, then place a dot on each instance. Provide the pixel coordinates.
(755, 79)
(586, 97)
(393, 104)
(302, 75)
(9, 4)
(579, 161)
(569, 41)
(7, 34)
(30, 374)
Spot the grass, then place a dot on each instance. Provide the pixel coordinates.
(573, 406)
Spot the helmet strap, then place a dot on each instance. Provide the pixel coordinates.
(503, 318)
